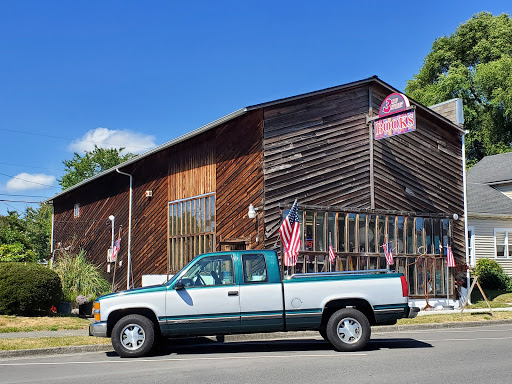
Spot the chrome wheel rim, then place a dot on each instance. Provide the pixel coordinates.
(349, 330)
(133, 336)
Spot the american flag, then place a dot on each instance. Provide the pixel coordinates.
(117, 247)
(290, 236)
(332, 256)
(449, 256)
(388, 253)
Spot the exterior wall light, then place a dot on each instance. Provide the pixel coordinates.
(252, 212)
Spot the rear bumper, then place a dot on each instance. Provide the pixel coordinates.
(98, 329)
(413, 312)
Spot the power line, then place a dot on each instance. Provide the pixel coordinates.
(28, 181)
(12, 194)
(30, 166)
(19, 201)
(69, 138)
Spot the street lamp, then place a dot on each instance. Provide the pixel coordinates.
(253, 214)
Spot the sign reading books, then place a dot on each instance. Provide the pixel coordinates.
(395, 117)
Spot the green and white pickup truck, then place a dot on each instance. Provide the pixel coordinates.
(242, 292)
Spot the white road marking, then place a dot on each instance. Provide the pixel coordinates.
(462, 330)
(131, 361)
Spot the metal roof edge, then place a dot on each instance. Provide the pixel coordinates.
(313, 93)
(195, 132)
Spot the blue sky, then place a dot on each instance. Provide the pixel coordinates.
(140, 73)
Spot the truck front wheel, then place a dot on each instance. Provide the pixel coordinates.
(348, 330)
(133, 336)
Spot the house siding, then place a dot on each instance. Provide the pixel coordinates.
(484, 247)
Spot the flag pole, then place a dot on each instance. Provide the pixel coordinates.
(447, 280)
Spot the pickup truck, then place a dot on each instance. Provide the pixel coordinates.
(223, 293)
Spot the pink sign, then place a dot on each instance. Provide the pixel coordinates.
(395, 125)
(394, 103)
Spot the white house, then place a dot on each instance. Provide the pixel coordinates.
(489, 195)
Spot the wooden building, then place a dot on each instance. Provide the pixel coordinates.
(191, 195)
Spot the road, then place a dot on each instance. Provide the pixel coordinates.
(463, 355)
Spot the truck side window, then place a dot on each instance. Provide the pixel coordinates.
(254, 268)
(209, 271)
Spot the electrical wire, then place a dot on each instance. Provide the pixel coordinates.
(30, 166)
(12, 194)
(69, 138)
(19, 201)
(28, 181)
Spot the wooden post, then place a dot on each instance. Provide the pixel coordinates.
(475, 282)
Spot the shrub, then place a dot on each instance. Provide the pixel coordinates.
(28, 289)
(80, 277)
(16, 252)
(491, 275)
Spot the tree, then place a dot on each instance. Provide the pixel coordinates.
(26, 237)
(91, 163)
(474, 64)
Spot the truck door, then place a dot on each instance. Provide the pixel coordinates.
(261, 300)
(209, 302)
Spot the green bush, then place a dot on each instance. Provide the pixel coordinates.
(16, 252)
(28, 289)
(80, 277)
(491, 275)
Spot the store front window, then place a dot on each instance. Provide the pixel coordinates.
(357, 239)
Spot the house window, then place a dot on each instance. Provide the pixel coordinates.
(76, 210)
(191, 229)
(503, 242)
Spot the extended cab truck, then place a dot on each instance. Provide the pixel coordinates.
(242, 292)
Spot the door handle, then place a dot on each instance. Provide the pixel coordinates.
(232, 293)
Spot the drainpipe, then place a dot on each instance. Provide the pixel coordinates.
(51, 240)
(465, 205)
(129, 229)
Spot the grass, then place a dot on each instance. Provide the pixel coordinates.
(46, 323)
(49, 342)
(456, 317)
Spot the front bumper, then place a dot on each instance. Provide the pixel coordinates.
(413, 312)
(98, 329)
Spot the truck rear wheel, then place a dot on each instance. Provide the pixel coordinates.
(133, 336)
(348, 330)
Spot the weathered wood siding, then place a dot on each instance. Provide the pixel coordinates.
(317, 150)
(239, 178)
(421, 171)
(484, 242)
(91, 231)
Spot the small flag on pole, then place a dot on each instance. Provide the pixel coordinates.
(290, 236)
(117, 247)
(449, 257)
(388, 253)
(332, 256)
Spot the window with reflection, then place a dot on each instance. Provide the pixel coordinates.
(191, 229)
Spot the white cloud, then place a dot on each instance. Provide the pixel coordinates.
(111, 138)
(27, 181)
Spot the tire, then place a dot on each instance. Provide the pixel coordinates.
(133, 336)
(348, 330)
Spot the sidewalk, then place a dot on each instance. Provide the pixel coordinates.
(107, 347)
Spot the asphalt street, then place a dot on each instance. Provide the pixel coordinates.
(470, 355)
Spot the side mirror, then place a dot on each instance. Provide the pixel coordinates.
(179, 285)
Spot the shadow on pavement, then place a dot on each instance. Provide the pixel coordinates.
(203, 346)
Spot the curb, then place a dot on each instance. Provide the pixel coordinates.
(78, 349)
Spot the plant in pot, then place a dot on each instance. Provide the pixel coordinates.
(84, 305)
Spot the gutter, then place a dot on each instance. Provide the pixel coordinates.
(129, 228)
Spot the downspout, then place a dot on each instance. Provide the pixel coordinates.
(465, 204)
(51, 239)
(129, 229)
